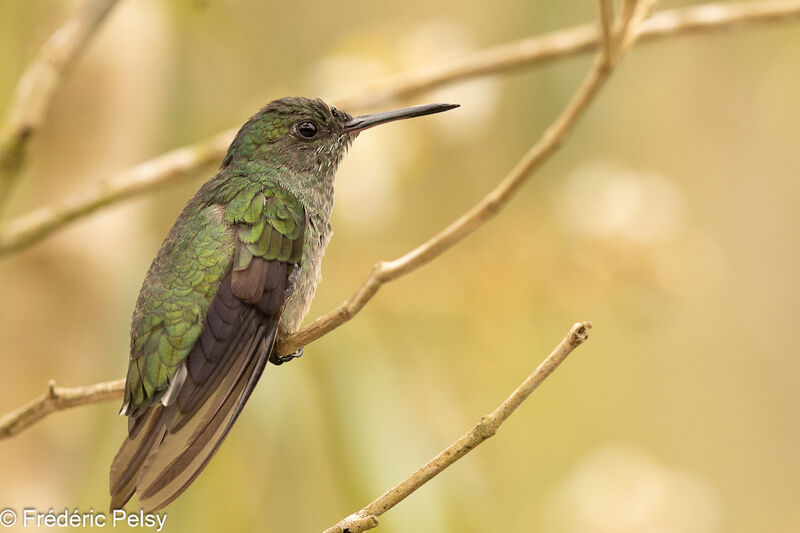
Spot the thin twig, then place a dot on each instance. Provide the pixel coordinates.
(164, 169)
(39, 84)
(623, 30)
(367, 518)
(606, 16)
(633, 15)
(57, 399)
(28, 229)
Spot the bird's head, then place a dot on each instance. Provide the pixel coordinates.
(306, 136)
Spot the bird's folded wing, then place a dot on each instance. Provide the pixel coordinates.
(173, 440)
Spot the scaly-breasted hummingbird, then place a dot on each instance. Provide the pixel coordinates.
(236, 271)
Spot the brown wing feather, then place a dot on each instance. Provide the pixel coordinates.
(183, 455)
(168, 446)
(147, 430)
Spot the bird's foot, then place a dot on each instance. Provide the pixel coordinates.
(280, 359)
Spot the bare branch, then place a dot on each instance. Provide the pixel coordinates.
(57, 399)
(606, 17)
(32, 227)
(39, 84)
(164, 169)
(367, 518)
(633, 15)
(623, 32)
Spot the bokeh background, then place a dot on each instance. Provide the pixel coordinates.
(669, 220)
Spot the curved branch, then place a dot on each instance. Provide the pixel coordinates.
(40, 83)
(32, 227)
(57, 399)
(606, 15)
(27, 229)
(367, 518)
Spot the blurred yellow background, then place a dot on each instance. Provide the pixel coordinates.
(669, 220)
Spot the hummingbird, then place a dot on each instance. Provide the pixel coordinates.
(237, 271)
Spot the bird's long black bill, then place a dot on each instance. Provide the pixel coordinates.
(367, 121)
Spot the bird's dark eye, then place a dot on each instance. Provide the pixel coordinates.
(307, 129)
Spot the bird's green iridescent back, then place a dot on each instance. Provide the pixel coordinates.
(208, 239)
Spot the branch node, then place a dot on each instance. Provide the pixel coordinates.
(51, 389)
(346, 311)
(355, 523)
(381, 269)
(580, 333)
(493, 203)
(486, 427)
